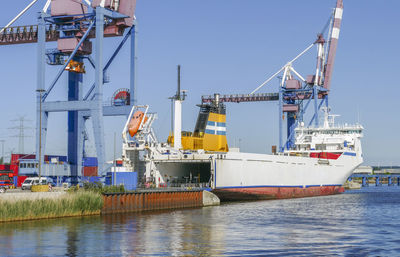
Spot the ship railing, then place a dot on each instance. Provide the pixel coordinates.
(174, 186)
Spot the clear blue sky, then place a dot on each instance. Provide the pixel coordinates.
(230, 46)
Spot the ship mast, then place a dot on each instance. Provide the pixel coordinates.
(178, 99)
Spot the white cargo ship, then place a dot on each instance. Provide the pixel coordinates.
(319, 164)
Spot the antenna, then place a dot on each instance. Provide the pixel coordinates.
(172, 115)
(178, 95)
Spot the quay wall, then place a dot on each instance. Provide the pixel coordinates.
(156, 200)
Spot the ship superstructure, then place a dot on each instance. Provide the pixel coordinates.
(328, 141)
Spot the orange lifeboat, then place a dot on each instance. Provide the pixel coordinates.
(135, 122)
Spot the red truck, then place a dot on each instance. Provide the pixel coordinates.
(6, 181)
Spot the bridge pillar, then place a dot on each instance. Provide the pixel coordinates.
(364, 182)
(377, 181)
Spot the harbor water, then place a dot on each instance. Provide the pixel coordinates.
(359, 222)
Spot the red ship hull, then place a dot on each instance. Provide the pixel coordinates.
(265, 193)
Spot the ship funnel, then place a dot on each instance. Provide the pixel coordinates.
(216, 100)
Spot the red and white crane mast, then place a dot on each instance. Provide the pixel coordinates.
(333, 42)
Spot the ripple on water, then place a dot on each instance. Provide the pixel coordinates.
(362, 222)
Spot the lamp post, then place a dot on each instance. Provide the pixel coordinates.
(115, 168)
(40, 91)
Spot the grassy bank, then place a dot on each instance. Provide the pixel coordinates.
(72, 204)
(98, 188)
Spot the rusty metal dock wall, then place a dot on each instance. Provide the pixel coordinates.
(151, 200)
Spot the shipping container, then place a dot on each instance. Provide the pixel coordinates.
(59, 158)
(89, 171)
(62, 158)
(16, 157)
(90, 162)
(119, 163)
(128, 179)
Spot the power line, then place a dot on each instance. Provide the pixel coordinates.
(21, 132)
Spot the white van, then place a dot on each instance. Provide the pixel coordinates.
(33, 181)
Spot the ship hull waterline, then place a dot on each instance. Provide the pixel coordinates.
(271, 193)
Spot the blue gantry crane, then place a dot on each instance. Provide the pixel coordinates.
(74, 24)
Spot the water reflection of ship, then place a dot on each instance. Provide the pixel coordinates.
(168, 233)
(162, 233)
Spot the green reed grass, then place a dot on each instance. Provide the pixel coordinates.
(98, 187)
(71, 204)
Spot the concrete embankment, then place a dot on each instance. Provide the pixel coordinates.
(210, 199)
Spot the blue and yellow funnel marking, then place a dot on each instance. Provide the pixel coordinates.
(216, 128)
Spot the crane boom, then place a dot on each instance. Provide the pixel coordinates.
(261, 97)
(237, 98)
(26, 34)
(334, 37)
